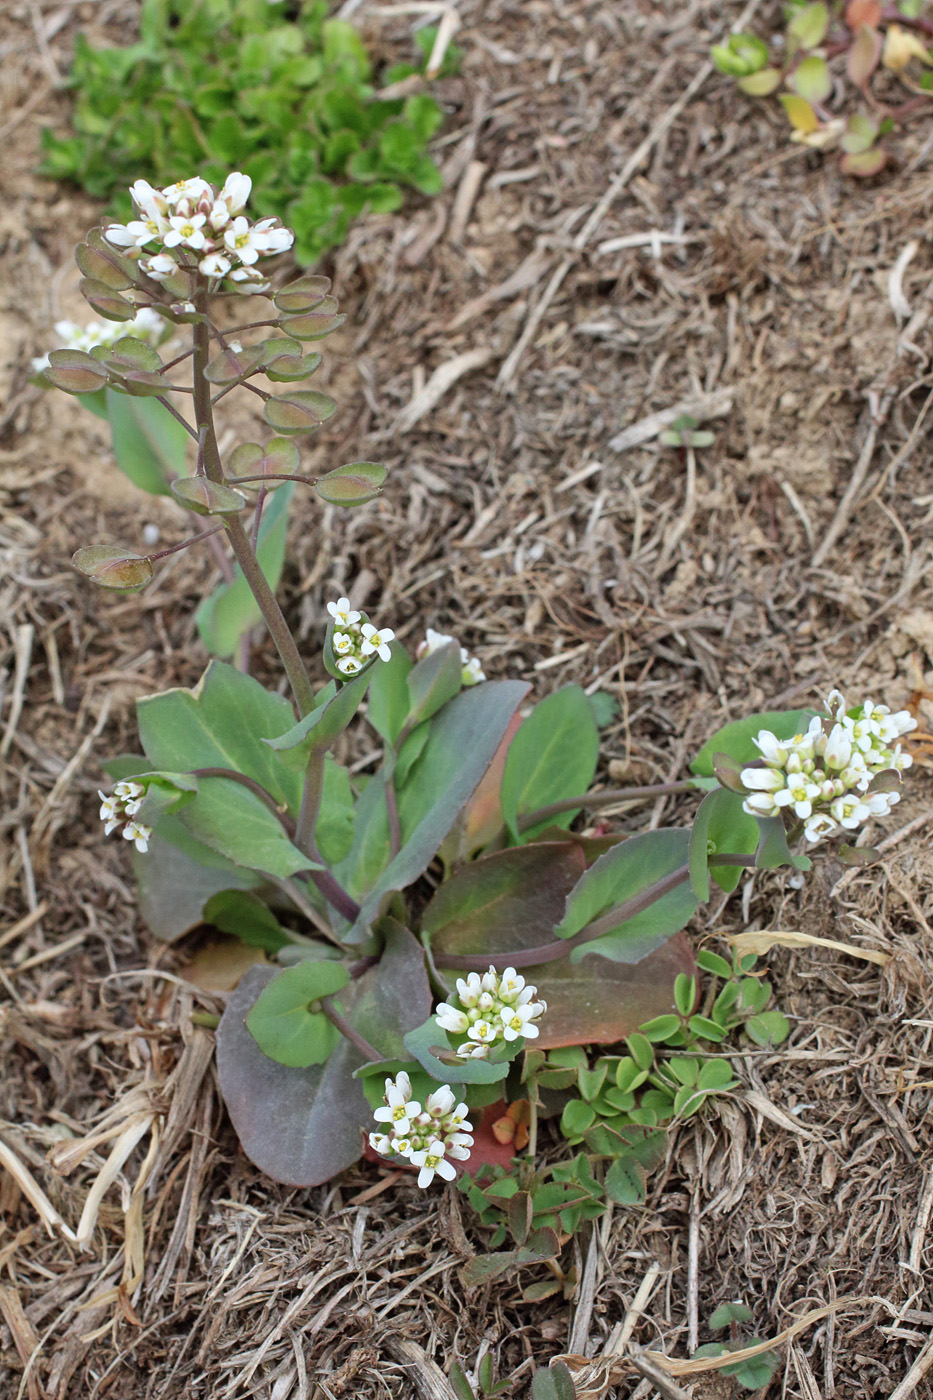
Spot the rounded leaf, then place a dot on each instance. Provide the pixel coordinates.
(105, 301)
(109, 566)
(864, 163)
(353, 485)
(303, 294)
(279, 457)
(233, 366)
(129, 353)
(313, 325)
(298, 412)
(799, 113)
(808, 27)
(811, 79)
(761, 84)
(207, 497)
(864, 55)
(282, 369)
(75, 371)
(100, 267)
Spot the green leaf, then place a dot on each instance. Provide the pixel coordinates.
(808, 26)
(231, 611)
(553, 756)
(621, 874)
(148, 443)
(464, 737)
(428, 1041)
(298, 411)
(247, 918)
(173, 887)
(239, 826)
(762, 83)
(556, 1383)
(728, 1313)
(283, 1021)
(736, 739)
(719, 825)
(811, 79)
(432, 681)
(303, 1126)
(773, 850)
(221, 723)
(389, 701)
(576, 1118)
(353, 485)
(322, 727)
(768, 1028)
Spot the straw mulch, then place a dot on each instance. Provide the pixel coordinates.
(623, 235)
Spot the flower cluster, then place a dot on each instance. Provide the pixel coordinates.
(427, 1135)
(120, 808)
(354, 640)
(433, 641)
(147, 325)
(191, 224)
(824, 777)
(489, 1009)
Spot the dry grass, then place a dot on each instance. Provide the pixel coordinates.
(504, 338)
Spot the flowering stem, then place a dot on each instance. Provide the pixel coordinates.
(175, 548)
(345, 1029)
(561, 947)
(601, 799)
(239, 540)
(304, 838)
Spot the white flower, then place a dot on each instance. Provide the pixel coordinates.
(819, 825)
(214, 265)
(381, 1144)
(135, 831)
(433, 641)
(837, 752)
(762, 779)
(343, 643)
(516, 1021)
(127, 789)
(342, 614)
(773, 750)
(431, 1161)
(252, 275)
(473, 673)
(244, 241)
(236, 191)
(110, 812)
(400, 1109)
(186, 231)
(349, 666)
(469, 989)
(272, 238)
(159, 267)
(799, 794)
(191, 190)
(441, 1102)
(376, 642)
(148, 201)
(761, 803)
(850, 811)
(449, 1019)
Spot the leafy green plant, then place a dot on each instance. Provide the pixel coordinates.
(288, 97)
(831, 53)
(384, 901)
(752, 1372)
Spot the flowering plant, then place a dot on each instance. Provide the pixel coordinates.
(438, 939)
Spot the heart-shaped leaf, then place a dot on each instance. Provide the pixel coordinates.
(313, 325)
(233, 366)
(207, 497)
(109, 566)
(75, 371)
(99, 266)
(303, 294)
(299, 411)
(353, 485)
(105, 301)
(284, 367)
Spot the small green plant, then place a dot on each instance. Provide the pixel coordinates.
(284, 94)
(385, 901)
(830, 52)
(685, 431)
(754, 1371)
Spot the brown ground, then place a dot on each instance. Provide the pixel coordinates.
(511, 519)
